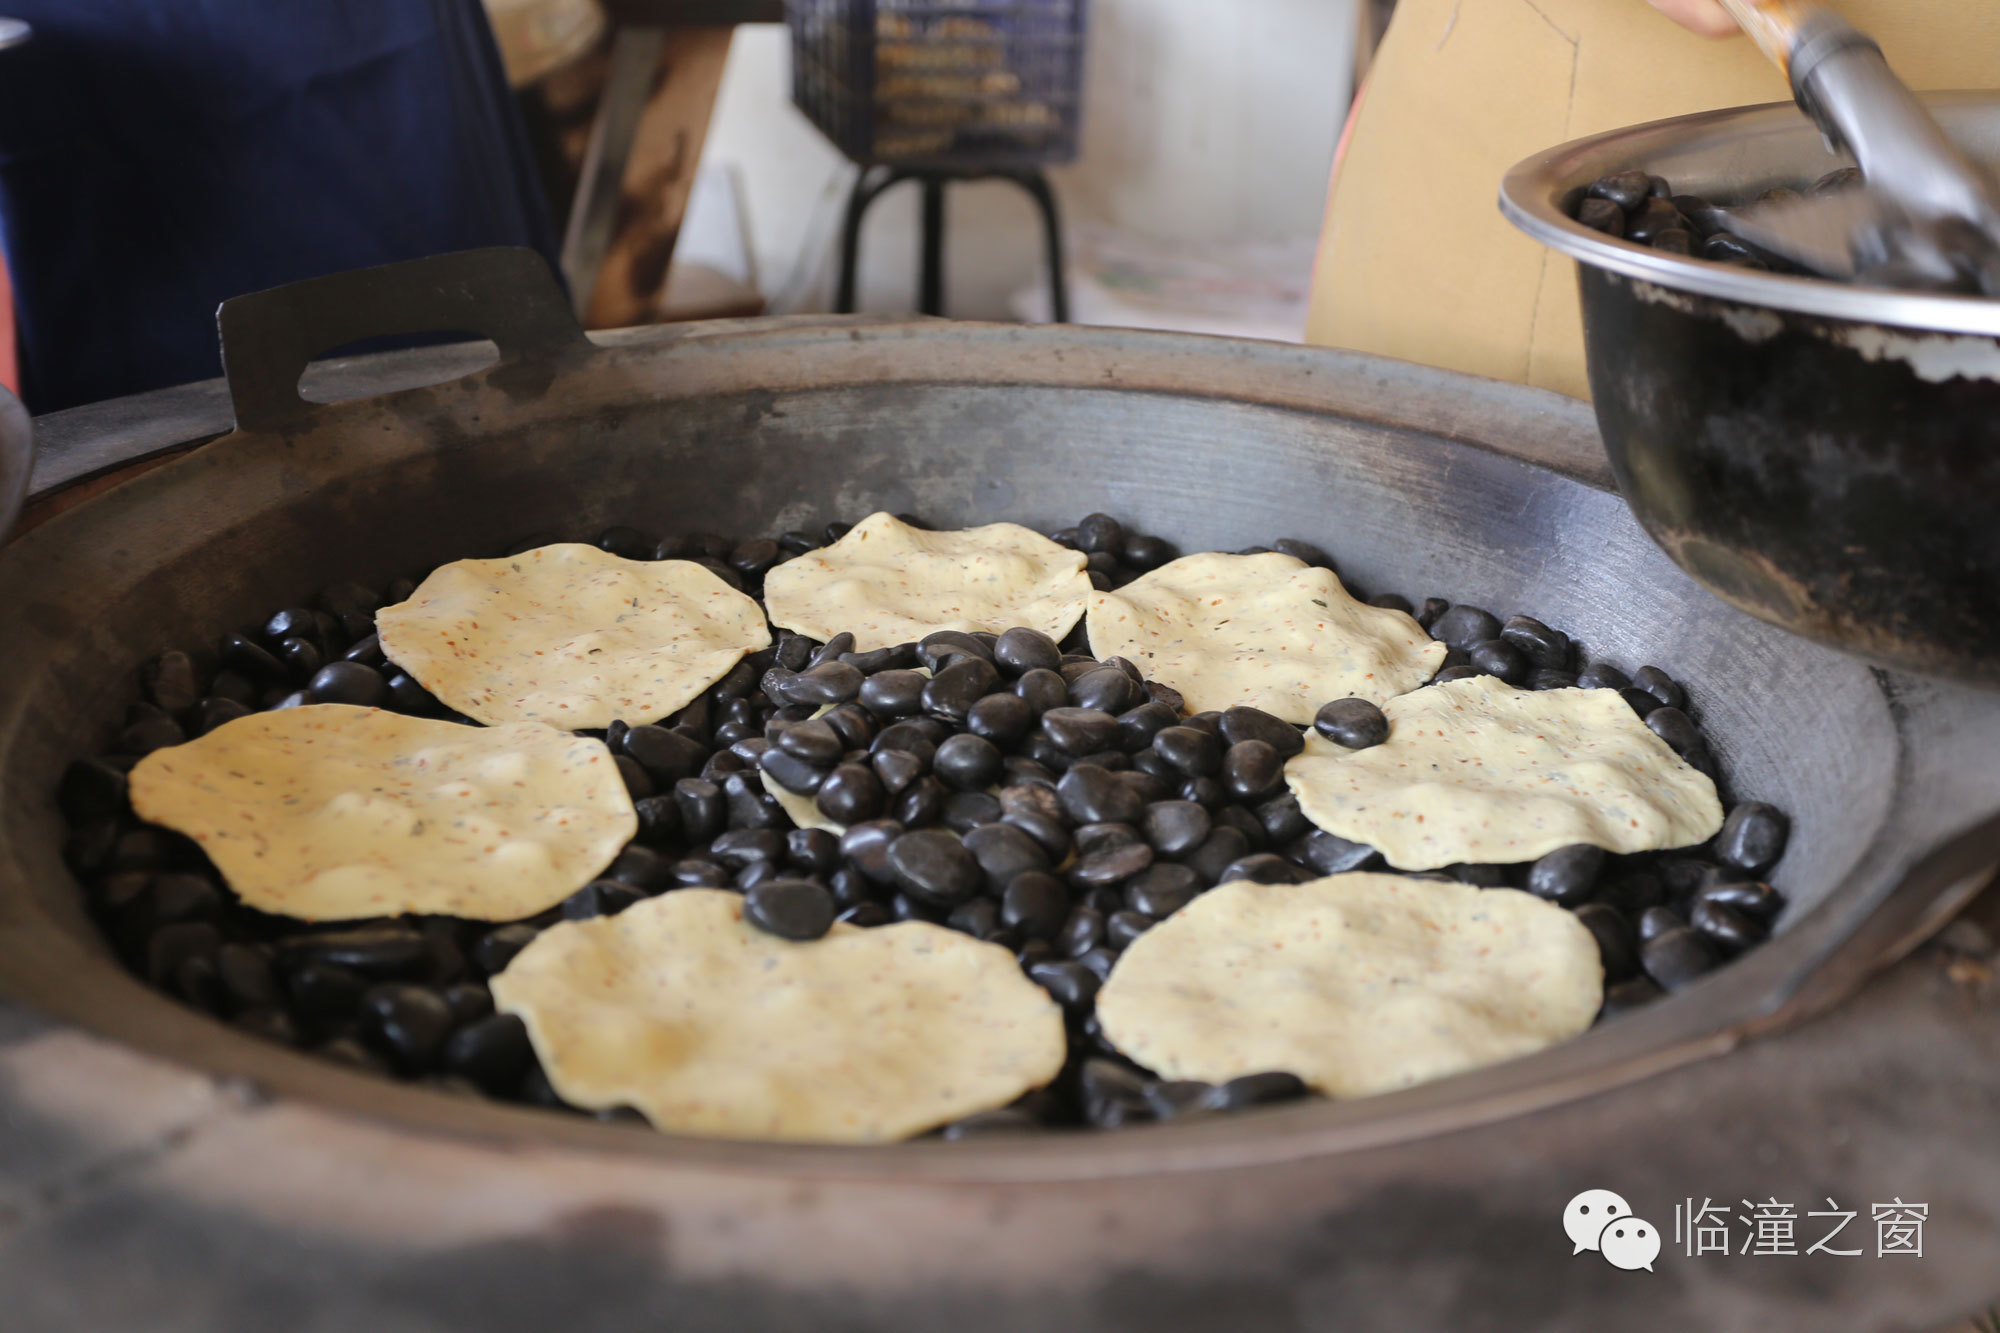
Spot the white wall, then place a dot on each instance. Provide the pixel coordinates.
(1196, 128)
(1204, 128)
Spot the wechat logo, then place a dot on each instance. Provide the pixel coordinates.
(1602, 1221)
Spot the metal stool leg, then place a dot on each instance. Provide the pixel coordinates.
(1036, 184)
(867, 187)
(930, 298)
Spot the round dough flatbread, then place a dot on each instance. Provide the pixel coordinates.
(1268, 631)
(888, 583)
(330, 812)
(570, 635)
(1476, 770)
(708, 1025)
(1358, 983)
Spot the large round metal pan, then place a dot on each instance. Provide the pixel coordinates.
(1825, 456)
(146, 1143)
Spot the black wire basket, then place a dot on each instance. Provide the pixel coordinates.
(930, 83)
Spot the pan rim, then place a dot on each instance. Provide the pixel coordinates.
(1664, 1037)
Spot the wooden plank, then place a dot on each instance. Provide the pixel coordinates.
(696, 291)
(630, 72)
(657, 178)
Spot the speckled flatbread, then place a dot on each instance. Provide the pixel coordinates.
(1267, 631)
(570, 635)
(330, 812)
(1476, 770)
(1358, 983)
(707, 1025)
(887, 583)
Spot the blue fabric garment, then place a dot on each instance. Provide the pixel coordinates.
(160, 156)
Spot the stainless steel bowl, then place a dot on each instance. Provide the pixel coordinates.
(1824, 456)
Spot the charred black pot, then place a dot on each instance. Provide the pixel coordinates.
(1824, 456)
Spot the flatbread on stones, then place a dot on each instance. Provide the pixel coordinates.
(887, 583)
(1476, 770)
(330, 812)
(707, 1025)
(570, 635)
(1358, 983)
(804, 810)
(1267, 631)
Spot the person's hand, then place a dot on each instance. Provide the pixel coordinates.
(1703, 16)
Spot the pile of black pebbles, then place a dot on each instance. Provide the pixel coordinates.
(1024, 793)
(1644, 209)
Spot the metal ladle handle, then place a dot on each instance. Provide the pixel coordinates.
(506, 293)
(1843, 82)
(1775, 25)
(1799, 37)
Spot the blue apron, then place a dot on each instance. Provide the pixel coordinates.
(160, 156)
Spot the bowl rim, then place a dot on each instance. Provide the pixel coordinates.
(1533, 191)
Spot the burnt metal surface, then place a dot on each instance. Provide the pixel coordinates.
(504, 293)
(126, 1178)
(1823, 487)
(1819, 454)
(183, 1204)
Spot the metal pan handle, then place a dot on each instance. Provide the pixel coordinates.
(506, 293)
